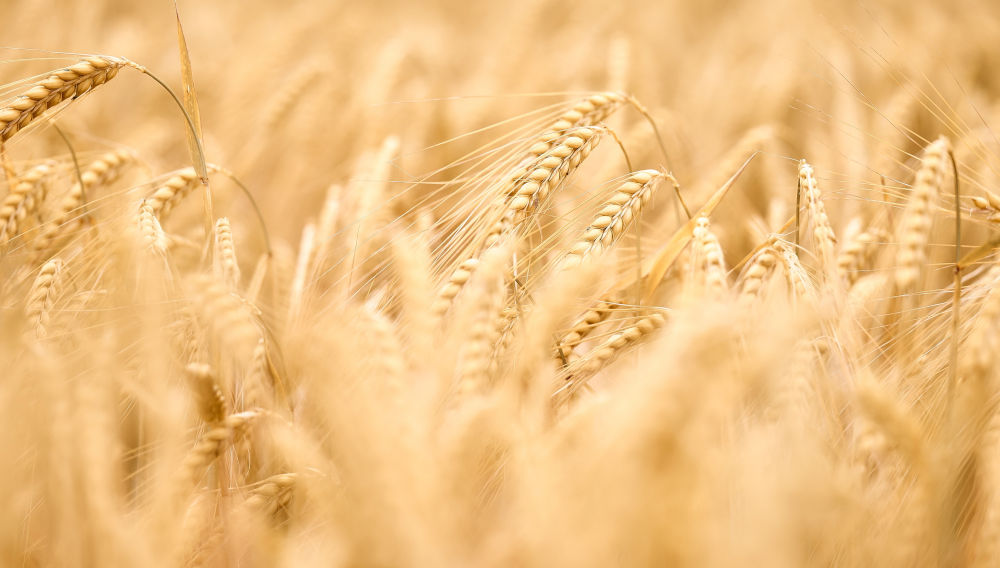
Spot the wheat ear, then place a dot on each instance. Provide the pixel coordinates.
(529, 193)
(707, 258)
(42, 295)
(226, 266)
(258, 389)
(581, 328)
(272, 494)
(168, 194)
(23, 200)
(211, 402)
(591, 110)
(451, 288)
(857, 254)
(980, 347)
(387, 349)
(757, 272)
(234, 319)
(915, 225)
(543, 175)
(599, 357)
(615, 217)
(588, 111)
(477, 323)
(64, 84)
(209, 446)
(823, 235)
(150, 231)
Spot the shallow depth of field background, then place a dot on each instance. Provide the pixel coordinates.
(831, 427)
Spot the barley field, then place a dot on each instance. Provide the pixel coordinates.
(536, 283)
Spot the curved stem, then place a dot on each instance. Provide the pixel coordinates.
(798, 209)
(202, 164)
(956, 299)
(628, 162)
(72, 154)
(652, 123)
(253, 203)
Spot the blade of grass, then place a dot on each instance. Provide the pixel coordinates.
(194, 137)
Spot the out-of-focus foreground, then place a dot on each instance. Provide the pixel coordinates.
(526, 284)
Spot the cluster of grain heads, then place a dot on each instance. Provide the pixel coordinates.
(71, 212)
(551, 162)
(472, 406)
(629, 335)
(589, 111)
(61, 85)
(530, 192)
